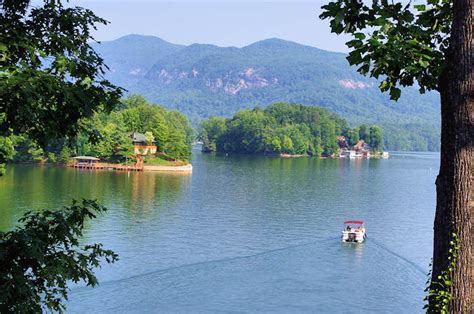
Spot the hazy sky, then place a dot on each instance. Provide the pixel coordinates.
(223, 23)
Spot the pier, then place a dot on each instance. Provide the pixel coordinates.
(92, 163)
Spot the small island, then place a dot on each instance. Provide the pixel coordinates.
(290, 130)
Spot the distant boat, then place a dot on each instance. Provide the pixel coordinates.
(354, 231)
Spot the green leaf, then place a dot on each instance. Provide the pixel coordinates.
(360, 36)
(384, 85)
(86, 81)
(420, 7)
(354, 58)
(395, 93)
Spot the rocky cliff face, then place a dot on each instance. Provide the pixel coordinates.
(207, 80)
(229, 82)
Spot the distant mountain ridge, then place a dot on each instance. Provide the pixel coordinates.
(202, 80)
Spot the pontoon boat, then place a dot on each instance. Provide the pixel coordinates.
(354, 231)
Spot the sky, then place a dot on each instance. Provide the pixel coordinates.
(219, 22)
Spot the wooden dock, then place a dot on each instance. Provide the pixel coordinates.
(127, 168)
(102, 166)
(87, 166)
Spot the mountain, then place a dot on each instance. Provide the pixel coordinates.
(130, 57)
(203, 80)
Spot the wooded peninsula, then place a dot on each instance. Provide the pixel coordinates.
(110, 137)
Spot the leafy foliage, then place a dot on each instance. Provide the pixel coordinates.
(212, 129)
(375, 138)
(7, 152)
(115, 142)
(281, 128)
(50, 77)
(149, 138)
(403, 43)
(440, 292)
(169, 129)
(40, 257)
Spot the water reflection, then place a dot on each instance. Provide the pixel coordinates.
(27, 187)
(355, 252)
(150, 191)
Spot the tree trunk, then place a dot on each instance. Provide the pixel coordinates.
(455, 197)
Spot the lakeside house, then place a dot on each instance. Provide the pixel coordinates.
(140, 145)
(361, 149)
(141, 148)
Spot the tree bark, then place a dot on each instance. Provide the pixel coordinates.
(455, 197)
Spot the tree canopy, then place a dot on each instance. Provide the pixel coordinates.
(169, 130)
(402, 43)
(50, 77)
(40, 256)
(283, 128)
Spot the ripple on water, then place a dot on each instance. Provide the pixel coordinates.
(249, 234)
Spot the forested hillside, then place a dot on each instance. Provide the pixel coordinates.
(205, 80)
(285, 129)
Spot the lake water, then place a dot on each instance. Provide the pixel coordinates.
(248, 233)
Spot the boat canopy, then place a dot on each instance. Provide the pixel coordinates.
(86, 158)
(354, 222)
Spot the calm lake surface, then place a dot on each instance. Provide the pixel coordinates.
(249, 234)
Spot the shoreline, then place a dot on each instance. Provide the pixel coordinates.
(188, 168)
(282, 155)
(184, 168)
(286, 156)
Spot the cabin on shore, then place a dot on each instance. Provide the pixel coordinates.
(361, 146)
(86, 162)
(140, 145)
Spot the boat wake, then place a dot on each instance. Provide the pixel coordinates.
(210, 262)
(415, 266)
